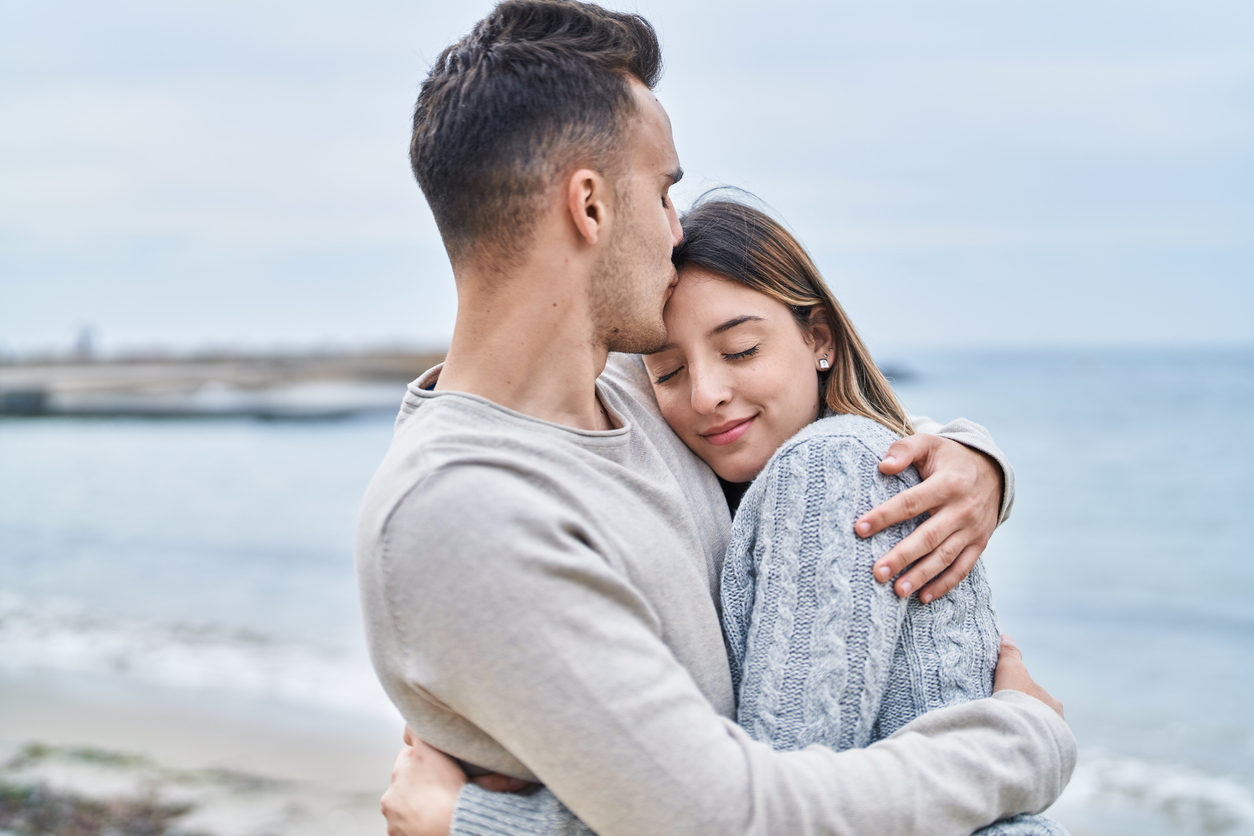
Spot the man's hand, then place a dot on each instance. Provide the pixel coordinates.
(962, 492)
(423, 793)
(1012, 675)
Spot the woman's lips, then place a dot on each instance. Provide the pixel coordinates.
(729, 432)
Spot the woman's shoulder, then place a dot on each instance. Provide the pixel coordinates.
(848, 444)
(837, 431)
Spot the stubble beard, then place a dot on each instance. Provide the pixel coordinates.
(622, 316)
(626, 312)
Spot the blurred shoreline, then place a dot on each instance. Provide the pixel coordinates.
(279, 386)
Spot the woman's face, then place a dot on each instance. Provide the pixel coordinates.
(738, 376)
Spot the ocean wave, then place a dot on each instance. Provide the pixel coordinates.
(1180, 798)
(61, 637)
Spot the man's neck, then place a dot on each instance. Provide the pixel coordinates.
(527, 343)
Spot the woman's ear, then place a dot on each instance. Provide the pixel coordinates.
(822, 333)
(587, 200)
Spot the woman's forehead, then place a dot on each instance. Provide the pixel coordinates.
(704, 294)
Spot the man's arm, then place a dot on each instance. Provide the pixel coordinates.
(522, 630)
(418, 801)
(968, 490)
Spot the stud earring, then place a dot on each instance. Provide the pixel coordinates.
(823, 364)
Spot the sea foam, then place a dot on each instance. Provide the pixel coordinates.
(1154, 796)
(57, 636)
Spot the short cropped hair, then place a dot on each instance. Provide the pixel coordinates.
(536, 89)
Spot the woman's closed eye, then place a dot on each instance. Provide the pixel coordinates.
(741, 355)
(669, 376)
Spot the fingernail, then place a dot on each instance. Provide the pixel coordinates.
(882, 573)
(863, 526)
(1007, 640)
(905, 587)
(890, 460)
(926, 597)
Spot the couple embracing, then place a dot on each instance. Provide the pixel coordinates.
(557, 598)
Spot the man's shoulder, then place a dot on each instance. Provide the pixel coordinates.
(452, 461)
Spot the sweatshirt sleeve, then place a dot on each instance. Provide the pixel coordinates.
(527, 634)
(977, 438)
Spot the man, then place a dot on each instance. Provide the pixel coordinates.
(538, 553)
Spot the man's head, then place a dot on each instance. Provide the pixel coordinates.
(544, 114)
(539, 88)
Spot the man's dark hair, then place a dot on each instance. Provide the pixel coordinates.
(539, 87)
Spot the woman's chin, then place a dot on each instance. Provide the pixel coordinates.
(737, 471)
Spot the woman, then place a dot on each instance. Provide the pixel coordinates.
(766, 380)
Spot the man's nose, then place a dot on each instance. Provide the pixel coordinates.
(677, 231)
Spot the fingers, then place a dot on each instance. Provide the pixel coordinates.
(928, 567)
(1012, 675)
(1009, 649)
(906, 451)
(951, 576)
(904, 506)
(934, 533)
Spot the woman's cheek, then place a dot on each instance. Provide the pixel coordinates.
(671, 412)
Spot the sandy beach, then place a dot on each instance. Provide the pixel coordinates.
(235, 768)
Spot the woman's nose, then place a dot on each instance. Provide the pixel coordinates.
(708, 392)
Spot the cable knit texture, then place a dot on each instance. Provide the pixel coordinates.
(820, 652)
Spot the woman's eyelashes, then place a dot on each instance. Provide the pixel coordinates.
(669, 376)
(738, 355)
(741, 355)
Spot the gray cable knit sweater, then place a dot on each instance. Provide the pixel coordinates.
(820, 652)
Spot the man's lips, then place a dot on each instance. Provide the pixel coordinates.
(729, 432)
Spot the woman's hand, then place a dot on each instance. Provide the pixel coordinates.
(962, 492)
(1012, 675)
(423, 793)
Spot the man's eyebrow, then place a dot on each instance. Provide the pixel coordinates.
(676, 175)
(732, 323)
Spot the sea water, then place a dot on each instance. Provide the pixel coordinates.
(216, 558)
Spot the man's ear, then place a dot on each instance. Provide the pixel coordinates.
(587, 203)
(822, 333)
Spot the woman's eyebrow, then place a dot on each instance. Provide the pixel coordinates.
(732, 323)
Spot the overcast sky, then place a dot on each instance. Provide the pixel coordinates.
(1072, 172)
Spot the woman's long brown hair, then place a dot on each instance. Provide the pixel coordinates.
(747, 246)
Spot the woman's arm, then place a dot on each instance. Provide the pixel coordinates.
(812, 635)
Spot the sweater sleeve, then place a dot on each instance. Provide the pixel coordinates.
(812, 634)
(977, 438)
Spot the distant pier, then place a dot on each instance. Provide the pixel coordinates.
(273, 387)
